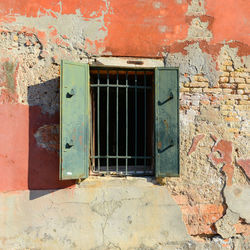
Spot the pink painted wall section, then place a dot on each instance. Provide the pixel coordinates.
(24, 165)
(14, 146)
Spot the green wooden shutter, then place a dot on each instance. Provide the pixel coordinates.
(74, 120)
(166, 122)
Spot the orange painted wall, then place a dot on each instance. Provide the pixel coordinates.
(142, 28)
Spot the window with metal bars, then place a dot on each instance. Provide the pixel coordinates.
(122, 121)
(118, 121)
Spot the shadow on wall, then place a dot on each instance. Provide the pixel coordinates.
(43, 172)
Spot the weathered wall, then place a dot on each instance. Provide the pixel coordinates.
(208, 40)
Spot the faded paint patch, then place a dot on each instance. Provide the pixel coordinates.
(74, 28)
(245, 164)
(195, 142)
(8, 85)
(47, 137)
(196, 8)
(198, 30)
(195, 61)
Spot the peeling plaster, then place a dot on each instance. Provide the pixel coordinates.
(198, 30)
(73, 26)
(196, 8)
(226, 52)
(194, 62)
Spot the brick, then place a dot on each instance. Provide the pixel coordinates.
(196, 90)
(205, 102)
(242, 107)
(239, 74)
(228, 85)
(225, 74)
(200, 78)
(233, 97)
(239, 80)
(242, 86)
(15, 38)
(247, 91)
(227, 91)
(231, 80)
(184, 89)
(231, 119)
(186, 84)
(240, 91)
(248, 80)
(233, 130)
(228, 63)
(228, 113)
(226, 107)
(199, 84)
(224, 79)
(244, 102)
(212, 90)
(223, 68)
(230, 102)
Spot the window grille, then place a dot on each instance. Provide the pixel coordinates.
(122, 121)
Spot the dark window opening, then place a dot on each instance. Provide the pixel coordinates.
(122, 121)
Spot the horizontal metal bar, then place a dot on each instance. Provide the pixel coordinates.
(120, 86)
(123, 173)
(121, 157)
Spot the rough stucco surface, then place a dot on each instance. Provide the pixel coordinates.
(209, 41)
(96, 215)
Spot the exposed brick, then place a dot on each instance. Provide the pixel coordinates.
(200, 78)
(240, 92)
(212, 90)
(224, 79)
(228, 85)
(228, 63)
(184, 89)
(244, 102)
(226, 107)
(233, 130)
(199, 84)
(242, 107)
(196, 90)
(227, 91)
(239, 80)
(231, 119)
(242, 86)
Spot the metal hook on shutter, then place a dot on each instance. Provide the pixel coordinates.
(169, 146)
(171, 96)
(69, 144)
(71, 93)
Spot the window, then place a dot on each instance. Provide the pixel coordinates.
(118, 121)
(122, 121)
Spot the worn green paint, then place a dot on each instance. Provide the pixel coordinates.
(74, 121)
(9, 68)
(166, 122)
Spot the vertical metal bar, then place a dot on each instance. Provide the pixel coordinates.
(135, 120)
(145, 120)
(107, 122)
(117, 120)
(126, 122)
(98, 120)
